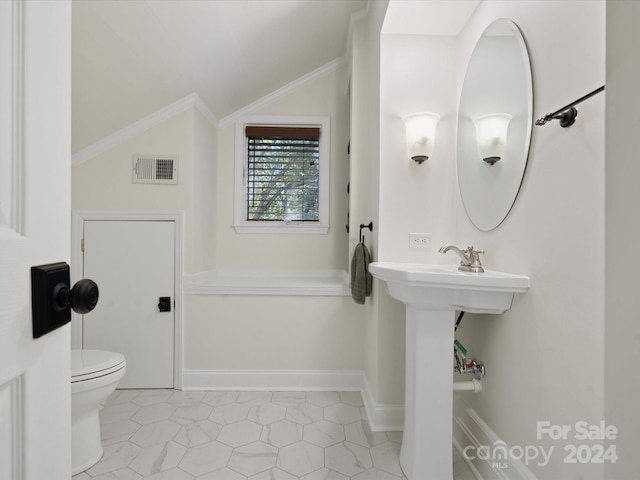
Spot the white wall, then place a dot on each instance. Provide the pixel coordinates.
(544, 357)
(273, 333)
(325, 96)
(384, 325)
(282, 332)
(105, 182)
(243, 332)
(417, 75)
(204, 198)
(622, 330)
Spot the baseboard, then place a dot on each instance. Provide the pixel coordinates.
(471, 432)
(382, 418)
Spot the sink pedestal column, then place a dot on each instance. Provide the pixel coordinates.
(426, 451)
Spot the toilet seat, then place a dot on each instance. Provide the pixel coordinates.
(91, 364)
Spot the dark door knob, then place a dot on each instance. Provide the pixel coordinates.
(52, 299)
(82, 298)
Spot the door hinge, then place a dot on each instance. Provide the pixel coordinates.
(82, 245)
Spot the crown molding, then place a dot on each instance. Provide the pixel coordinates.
(194, 101)
(142, 125)
(283, 91)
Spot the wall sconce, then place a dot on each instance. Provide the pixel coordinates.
(420, 130)
(492, 136)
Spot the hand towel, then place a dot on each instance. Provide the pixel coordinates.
(361, 279)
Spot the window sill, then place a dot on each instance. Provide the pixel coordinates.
(268, 282)
(293, 228)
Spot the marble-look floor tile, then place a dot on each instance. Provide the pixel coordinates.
(323, 433)
(342, 413)
(300, 458)
(324, 474)
(118, 412)
(151, 397)
(282, 433)
(122, 396)
(267, 413)
(206, 458)
(304, 413)
(348, 458)
(154, 433)
(360, 433)
(115, 457)
(172, 474)
(222, 474)
(220, 398)
(191, 413)
(253, 399)
(153, 413)
(194, 434)
(121, 474)
(273, 474)
(185, 398)
(385, 457)
(158, 458)
(239, 433)
(253, 458)
(375, 474)
(229, 413)
(352, 398)
(323, 399)
(172, 435)
(117, 432)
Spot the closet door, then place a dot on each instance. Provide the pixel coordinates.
(133, 262)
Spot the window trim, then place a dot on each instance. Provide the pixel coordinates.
(240, 224)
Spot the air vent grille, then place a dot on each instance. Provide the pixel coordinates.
(161, 170)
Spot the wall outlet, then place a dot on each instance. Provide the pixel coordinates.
(420, 240)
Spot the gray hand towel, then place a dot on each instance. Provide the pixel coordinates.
(361, 279)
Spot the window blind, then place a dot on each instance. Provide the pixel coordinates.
(283, 173)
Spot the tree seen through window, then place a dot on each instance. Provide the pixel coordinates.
(283, 174)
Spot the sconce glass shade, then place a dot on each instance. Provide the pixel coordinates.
(420, 131)
(492, 136)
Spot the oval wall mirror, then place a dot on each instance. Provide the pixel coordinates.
(494, 124)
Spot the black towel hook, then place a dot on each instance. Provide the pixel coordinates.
(369, 226)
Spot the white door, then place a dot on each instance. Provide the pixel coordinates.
(35, 153)
(133, 263)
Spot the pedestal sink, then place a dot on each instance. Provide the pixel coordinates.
(432, 294)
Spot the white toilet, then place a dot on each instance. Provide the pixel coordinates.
(94, 376)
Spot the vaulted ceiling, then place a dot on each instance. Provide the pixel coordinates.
(132, 58)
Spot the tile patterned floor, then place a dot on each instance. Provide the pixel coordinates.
(176, 435)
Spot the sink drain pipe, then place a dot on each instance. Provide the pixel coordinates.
(474, 385)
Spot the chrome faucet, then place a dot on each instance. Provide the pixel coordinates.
(470, 258)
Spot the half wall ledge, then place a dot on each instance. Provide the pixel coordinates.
(268, 282)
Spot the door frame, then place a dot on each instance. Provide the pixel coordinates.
(78, 217)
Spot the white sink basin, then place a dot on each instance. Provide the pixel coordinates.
(434, 287)
(432, 294)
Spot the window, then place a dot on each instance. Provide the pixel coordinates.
(282, 175)
(283, 171)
